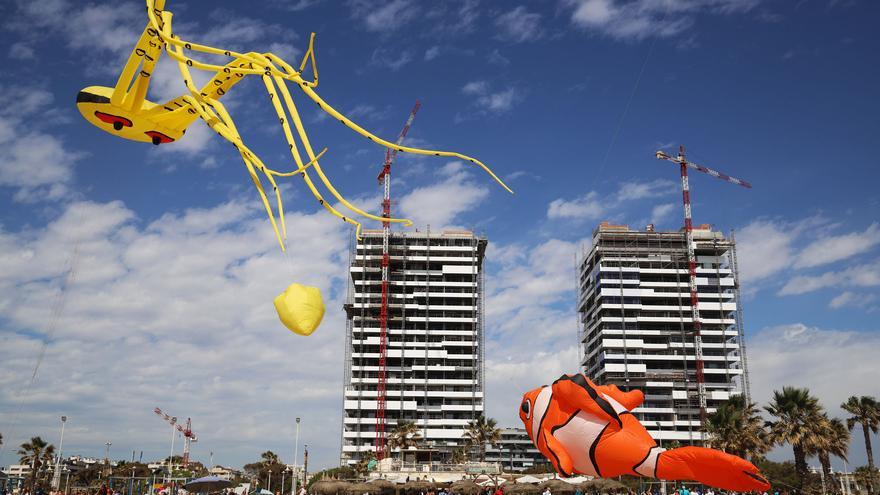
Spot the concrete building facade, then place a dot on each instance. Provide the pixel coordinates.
(515, 451)
(636, 329)
(435, 339)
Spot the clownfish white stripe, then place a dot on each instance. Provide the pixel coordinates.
(648, 467)
(539, 409)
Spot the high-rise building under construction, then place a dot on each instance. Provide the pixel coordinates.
(434, 353)
(637, 326)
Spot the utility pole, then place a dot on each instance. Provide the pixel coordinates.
(56, 478)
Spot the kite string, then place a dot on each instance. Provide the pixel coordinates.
(629, 101)
(55, 316)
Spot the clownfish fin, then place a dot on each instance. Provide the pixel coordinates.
(559, 457)
(581, 393)
(630, 400)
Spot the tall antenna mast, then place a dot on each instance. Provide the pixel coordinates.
(385, 179)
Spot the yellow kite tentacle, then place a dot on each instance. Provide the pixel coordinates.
(406, 149)
(298, 159)
(306, 86)
(274, 71)
(130, 69)
(297, 121)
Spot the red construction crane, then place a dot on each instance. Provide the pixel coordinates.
(385, 179)
(692, 261)
(188, 435)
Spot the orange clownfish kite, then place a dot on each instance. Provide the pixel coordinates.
(583, 428)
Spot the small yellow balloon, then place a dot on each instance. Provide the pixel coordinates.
(300, 308)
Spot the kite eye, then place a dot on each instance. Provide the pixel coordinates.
(526, 408)
(117, 121)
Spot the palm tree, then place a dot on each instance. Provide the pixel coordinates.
(268, 457)
(481, 431)
(363, 465)
(737, 428)
(831, 438)
(405, 435)
(459, 456)
(865, 410)
(796, 411)
(36, 453)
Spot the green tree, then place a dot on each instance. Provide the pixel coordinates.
(459, 456)
(865, 476)
(865, 411)
(405, 435)
(363, 465)
(482, 431)
(37, 454)
(737, 428)
(795, 411)
(268, 457)
(831, 437)
(781, 475)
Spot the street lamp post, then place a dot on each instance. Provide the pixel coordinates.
(295, 456)
(56, 478)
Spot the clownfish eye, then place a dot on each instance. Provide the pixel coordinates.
(526, 408)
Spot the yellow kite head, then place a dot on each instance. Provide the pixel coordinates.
(95, 105)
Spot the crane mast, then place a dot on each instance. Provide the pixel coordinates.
(188, 435)
(692, 263)
(385, 179)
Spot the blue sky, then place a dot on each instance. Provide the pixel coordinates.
(567, 100)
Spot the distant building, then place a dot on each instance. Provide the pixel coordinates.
(515, 451)
(223, 472)
(435, 339)
(637, 330)
(18, 470)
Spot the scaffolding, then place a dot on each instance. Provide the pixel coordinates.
(629, 257)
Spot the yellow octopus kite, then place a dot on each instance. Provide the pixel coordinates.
(123, 110)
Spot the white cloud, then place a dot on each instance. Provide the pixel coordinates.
(176, 313)
(864, 275)
(639, 19)
(385, 58)
(475, 88)
(803, 356)
(432, 53)
(633, 190)
(660, 212)
(489, 101)
(851, 299)
(764, 248)
(586, 207)
(440, 203)
(829, 249)
(532, 329)
(33, 161)
(495, 57)
(21, 51)
(388, 17)
(591, 206)
(519, 25)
